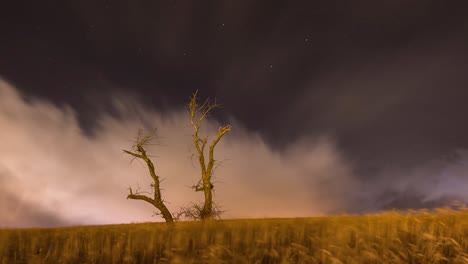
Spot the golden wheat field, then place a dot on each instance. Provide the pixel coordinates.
(439, 236)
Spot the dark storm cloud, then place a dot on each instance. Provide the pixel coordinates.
(403, 201)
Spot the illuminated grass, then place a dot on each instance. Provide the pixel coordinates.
(389, 237)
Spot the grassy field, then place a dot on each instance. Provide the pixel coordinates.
(389, 237)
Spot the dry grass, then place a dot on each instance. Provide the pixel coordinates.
(389, 237)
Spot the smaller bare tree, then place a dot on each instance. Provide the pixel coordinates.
(197, 114)
(156, 200)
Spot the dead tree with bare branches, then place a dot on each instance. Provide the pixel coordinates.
(197, 114)
(157, 201)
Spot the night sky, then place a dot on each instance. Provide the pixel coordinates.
(336, 106)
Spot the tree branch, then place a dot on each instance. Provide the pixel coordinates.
(133, 154)
(141, 197)
(221, 132)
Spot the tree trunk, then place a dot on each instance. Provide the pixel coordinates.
(165, 213)
(208, 205)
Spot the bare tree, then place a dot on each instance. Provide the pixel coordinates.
(197, 114)
(156, 200)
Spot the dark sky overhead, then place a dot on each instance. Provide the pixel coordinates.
(336, 106)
